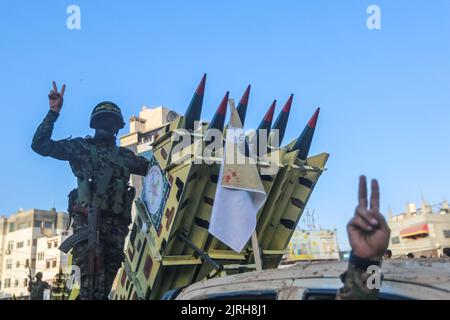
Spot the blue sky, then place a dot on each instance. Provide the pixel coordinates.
(384, 94)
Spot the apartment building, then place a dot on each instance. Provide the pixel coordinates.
(49, 259)
(421, 232)
(19, 237)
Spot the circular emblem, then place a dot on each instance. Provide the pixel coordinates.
(153, 189)
(172, 115)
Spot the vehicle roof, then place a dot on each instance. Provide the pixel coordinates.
(399, 275)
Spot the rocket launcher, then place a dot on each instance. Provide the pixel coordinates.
(169, 245)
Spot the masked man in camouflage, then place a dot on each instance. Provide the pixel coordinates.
(37, 288)
(102, 170)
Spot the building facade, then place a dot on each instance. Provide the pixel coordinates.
(20, 234)
(49, 259)
(421, 232)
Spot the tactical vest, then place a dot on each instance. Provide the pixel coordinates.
(103, 185)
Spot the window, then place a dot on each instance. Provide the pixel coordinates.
(49, 245)
(34, 242)
(48, 225)
(40, 256)
(25, 282)
(10, 245)
(11, 227)
(23, 225)
(16, 283)
(54, 263)
(18, 264)
(7, 283)
(395, 240)
(9, 264)
(447, 233)
(55, 244)
(47, 264)
(37, 223)
(19, 245)
(27, 263)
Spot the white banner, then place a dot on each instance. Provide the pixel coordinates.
(240, 193)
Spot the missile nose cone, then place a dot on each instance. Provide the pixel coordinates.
(268, 118)
(218, 120)
(313, 122)
(195, 107)
(281, 122)
(303, 142)
(265, 125)
(287, 106)
(201, 86)
(222, 110)
(269, 115)
(242, 106)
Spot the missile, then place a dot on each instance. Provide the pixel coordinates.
(281, 122)
(242, 106)
(303, 142)
(266, 123)
(218, 120)
(195, 107)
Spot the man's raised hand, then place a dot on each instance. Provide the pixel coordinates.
(56, 98)
(368, 231)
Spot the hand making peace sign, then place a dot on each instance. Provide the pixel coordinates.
(368, 231)
(55, 98)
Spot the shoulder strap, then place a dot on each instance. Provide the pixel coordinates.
(105, 178)
(121, 162)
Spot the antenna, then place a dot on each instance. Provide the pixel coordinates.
(308, 219)
(313, 220)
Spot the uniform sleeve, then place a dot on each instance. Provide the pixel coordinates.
(355, 285)
(137, 164)
(67, 149)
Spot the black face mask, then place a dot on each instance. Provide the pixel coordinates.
(105, 135)
(106, 130)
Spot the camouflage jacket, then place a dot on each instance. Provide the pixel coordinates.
(37, 288)
(78, 152)
(355, 285)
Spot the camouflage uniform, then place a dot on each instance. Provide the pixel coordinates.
(114, 220)
(355, 282)
(37, 288)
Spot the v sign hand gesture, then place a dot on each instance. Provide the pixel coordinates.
(368, 231)
(55, 98)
